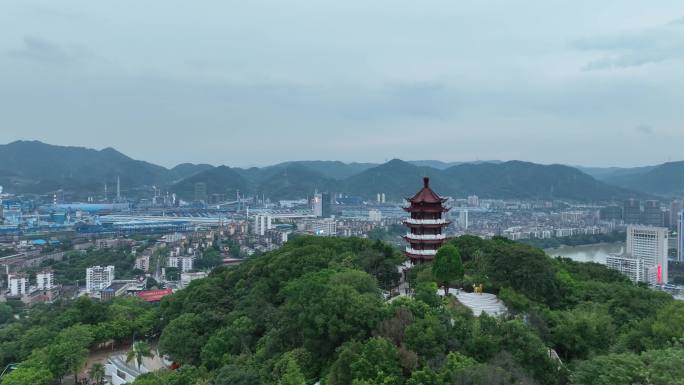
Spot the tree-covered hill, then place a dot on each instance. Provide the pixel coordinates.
(530, 181)
(665, 179)
(218, 180)
(314, 311)
(397, 179)
(32, 166)
(294, 181)
(186, 170)
(330, 169)
(35, 167)
(514, 179)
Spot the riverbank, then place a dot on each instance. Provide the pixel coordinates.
(577, 240)
(587, 253)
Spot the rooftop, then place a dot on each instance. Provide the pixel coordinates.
(426, 195)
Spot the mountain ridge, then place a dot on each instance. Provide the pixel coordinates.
(36, 167)
(666, 179)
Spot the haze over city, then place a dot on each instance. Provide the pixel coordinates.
(291, 192)
(259, 82)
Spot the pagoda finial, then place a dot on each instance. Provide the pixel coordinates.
(426, 181)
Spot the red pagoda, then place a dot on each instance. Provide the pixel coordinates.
(425, 224)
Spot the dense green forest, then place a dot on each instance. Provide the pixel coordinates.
(314, 311)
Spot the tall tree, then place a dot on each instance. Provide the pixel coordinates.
(293, 374)
(97, 373)
(29, 375)
(447, 266)
(5, 313)
(183, 338)
(69, 351)
(138, 351)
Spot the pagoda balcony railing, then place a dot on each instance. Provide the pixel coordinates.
(412, 221)
(425, 236)
(421, 252)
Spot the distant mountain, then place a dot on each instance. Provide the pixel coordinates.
(37, 167)
(32, 166)
(396, 178)
(282, 182)
(512, 179)
(438, 164)
(294, 181)
(666, 179)
(221, 180)
(331, 169)
(516, 179)
(606, 173)
(185, 170)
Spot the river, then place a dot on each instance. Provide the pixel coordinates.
(588, 253)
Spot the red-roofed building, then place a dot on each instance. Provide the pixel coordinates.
(425, 224)
(154, 295)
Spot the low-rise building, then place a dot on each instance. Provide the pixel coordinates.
(43, 296)
(143, 263)
(186, 278)
(627, 265)
(374, 215)
(324, 227)
(121, 371)
(120, 288)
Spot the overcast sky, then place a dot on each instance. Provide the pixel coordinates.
(257, 82)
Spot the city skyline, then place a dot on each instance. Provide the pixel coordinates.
(341, 192)
(227, 83)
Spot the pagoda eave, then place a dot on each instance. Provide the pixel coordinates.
(426, 225)
(426, 209)
(418, 258)
(426, 241)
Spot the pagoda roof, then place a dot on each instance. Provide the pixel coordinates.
(426, 209)
(426, 195)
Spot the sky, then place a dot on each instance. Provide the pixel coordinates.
(257, 82)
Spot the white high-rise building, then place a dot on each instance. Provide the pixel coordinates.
(375, 215)
(463, 219)
(318, 205)
(18, 284)
(184, 264)
(680, 236)
(262, 223)
(44, 280)
(473, 201)
(649, 244)
(99, 278)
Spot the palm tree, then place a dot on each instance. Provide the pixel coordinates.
(138, 351)
(97, 373)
